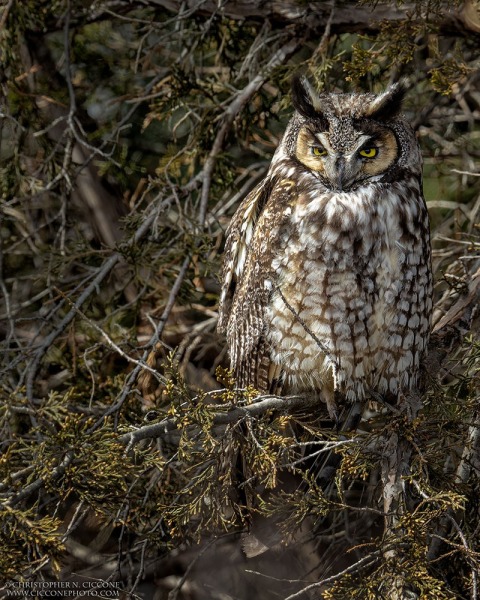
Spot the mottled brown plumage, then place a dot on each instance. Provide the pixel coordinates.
(327, 281)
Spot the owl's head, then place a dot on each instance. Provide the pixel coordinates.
(346, 140)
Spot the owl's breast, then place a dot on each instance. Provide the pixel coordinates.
(345, 275)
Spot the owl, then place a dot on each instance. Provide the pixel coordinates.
(327, 282)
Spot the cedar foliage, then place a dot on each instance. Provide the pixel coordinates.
(129, 133)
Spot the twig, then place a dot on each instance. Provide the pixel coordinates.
(322, 47)
(263, 405)
(141, 567)
(108, 339)
(68, 68)
(173, 594)
(364, 562)
(76, 519)
(132, 377)
(90, 290)
(232, 111)
(39, 483)
(327, 447)
(396, 455)
(6, 10)
(170, 302)
(471, 449)
(438, 538)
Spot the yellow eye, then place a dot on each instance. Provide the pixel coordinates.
(368, 152)
(318, 151)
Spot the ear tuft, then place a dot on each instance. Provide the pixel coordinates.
(389, 104)
(304, 98)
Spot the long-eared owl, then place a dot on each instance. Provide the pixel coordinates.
(327, 281)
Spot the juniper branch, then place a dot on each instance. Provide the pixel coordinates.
(233, 414)
(89, 291)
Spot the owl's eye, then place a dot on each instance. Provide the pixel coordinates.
(368, 152)
(318, 151)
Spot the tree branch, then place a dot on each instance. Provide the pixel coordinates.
(231, 415)
(89, 291)
(348, 16)
(236, 106)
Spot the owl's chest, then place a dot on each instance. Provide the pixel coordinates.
(338, 273)
(341, 237)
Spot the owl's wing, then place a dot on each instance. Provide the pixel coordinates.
(238, 239)
(250, 280)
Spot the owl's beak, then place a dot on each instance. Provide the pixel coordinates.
(339, 174)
